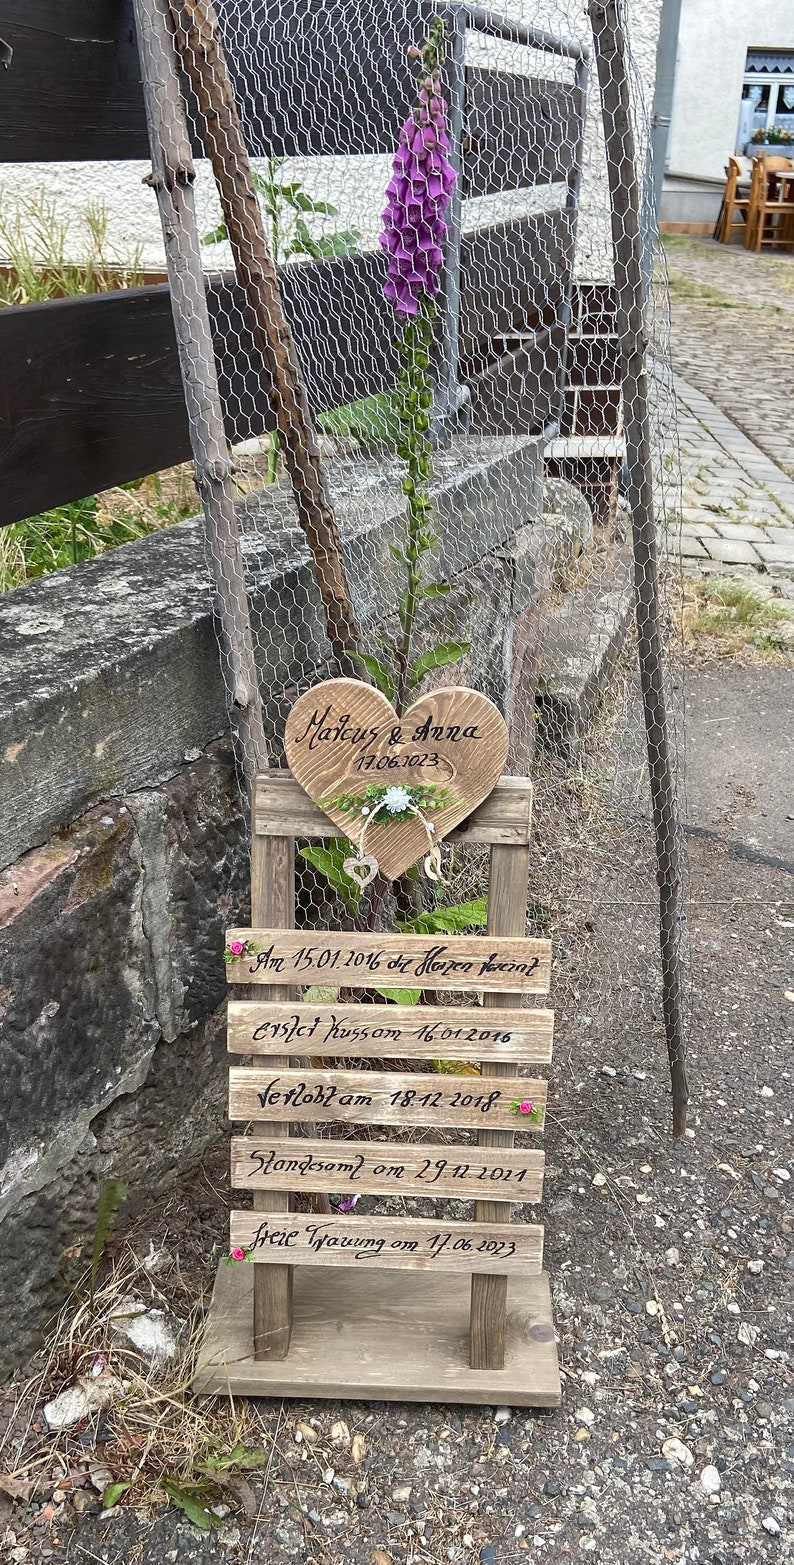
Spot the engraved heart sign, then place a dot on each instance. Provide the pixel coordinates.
(343, 737)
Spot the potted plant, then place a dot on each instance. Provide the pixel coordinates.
(779, 142)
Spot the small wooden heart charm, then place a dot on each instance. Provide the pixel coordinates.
(362, 871)
(342, 737)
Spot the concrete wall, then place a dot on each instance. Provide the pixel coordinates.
(124, 840)
(713, 41)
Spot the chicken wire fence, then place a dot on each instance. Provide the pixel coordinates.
(420, 292)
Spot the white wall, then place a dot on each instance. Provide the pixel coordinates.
(712, 48)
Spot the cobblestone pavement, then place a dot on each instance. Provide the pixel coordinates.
(732, 336)
(735, 508)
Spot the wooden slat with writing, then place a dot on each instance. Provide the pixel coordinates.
(419, 1243)
(385, 1168)
(357, 1097)
(378, 1032)
(281, 808)
(284, 956)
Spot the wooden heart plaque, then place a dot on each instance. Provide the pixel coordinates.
(342, 736)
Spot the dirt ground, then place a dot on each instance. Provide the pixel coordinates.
(672, 1268)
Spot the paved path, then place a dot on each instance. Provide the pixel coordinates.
(736, 502)
(732, 336)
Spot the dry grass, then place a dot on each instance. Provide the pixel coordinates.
(724, 619)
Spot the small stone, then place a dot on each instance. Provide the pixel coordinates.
(307, 1433)
(672, 1256)
(401, 1493)
(710, 1481)
(766, 1092)
(657, 1464)
(358, 1449)
(782, 1174)
(771, 1524)
(717, 1377)
(585, 1415)
(552, 1488)
(755, 1268)
(503, 1415)
(599, 1180)
(675, 1451)
(340, 1434)
(396, 1518)
(608, 1070)
(651, 1307)
(100, 1477)
(341, 1485)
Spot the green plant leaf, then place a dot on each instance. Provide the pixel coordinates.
(447, 920)
(112, 1494)
(332, 245)
(192, 1506)
(401, 996)
(437, 589)
(296, 197)
(379, 672)
(438, 657)
(328, 860)
(216, 236)
(111, 1194)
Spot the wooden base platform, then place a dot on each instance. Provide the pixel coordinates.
(386, 1336)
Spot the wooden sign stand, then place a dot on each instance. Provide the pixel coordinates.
(440, 1327)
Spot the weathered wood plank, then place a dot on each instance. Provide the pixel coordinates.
(507, 912)
(521, 391)
(306, 957)
(384, 1032)
(514, 278)
(384, 1168)
(520, 131)
(406, 1345)
(307, 81)
(363, 1097)
(417, 1244)
(280, 805)
(273, 897)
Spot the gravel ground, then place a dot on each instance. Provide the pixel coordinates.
(672, 1270)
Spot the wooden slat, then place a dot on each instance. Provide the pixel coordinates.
(273, 896)
(416, 1244)
(514, 277)
(364, 1097)
(93, 383)
(520, 131)
(507, 912)
(450, 962)
(381, 1032)
(307, 81)
(280, 805)
(384, 1168)
(521, 391)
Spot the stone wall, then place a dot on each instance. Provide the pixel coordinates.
(123, 836)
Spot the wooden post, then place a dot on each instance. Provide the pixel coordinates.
(610, 54)
(272, 906)
(172, 177)
(507, 915)
(200, 49)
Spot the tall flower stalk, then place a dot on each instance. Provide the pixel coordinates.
(413, 234)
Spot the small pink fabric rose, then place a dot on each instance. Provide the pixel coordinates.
(238, 1254)
(237, 947)
(525, 1107)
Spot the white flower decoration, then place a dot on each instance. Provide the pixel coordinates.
(396, 799)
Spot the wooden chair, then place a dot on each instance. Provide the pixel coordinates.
(732, 203)
(770, 219)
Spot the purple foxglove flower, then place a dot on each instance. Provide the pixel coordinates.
(417, 195)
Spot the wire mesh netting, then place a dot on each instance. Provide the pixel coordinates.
(434, 481)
